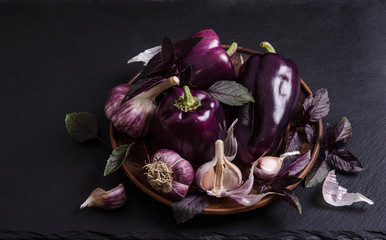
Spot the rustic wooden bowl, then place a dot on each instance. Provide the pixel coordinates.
(133, 165)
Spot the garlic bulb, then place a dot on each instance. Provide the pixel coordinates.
(169, 174)
(134, 117)
(219, 175)
(269, 166)
(113, 199)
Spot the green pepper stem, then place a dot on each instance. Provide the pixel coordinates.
(188, 98)
(267, 47)
(232, 49)
(187, 102)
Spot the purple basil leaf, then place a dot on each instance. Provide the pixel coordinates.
(150, 68)
(167, 50)
(318, 172)
(82, 126)
(187, 46)
(230, 93)
(145, 86)
(284, 181)
(297, 166)
(141, 85)
(289, 197)
(185, 76)
(310, 132)
(317, 105)
(329, 140)
(345, 161)
(189, 207)
(343, 131)
(293, 144)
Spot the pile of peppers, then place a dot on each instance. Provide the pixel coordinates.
(189, 121)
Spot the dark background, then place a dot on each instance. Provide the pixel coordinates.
(58, 57)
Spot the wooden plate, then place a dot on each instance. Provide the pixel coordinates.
(133, 165)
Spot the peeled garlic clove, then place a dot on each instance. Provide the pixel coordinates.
(112, 199)
(219, 175)
(269, 166)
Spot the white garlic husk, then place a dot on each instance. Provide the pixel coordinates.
(269, 166)
(219, 175)
(112, 199)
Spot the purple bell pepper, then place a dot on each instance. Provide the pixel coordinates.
(208, 60)
(189, 122)
(275, 84)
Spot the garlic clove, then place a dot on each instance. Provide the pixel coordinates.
(112, 199)
(269, 166)
(205, 175)
(219, 175)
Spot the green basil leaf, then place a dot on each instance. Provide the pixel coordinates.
(82, 126)
(230, 93)
(189, 207)
(117, 158)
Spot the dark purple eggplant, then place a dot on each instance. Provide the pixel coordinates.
(189, 122)
(207, 60)
(275, 85)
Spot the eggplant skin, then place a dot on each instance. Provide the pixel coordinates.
(191, 134)
(275, 84)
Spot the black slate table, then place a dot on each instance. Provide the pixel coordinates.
(58, 57)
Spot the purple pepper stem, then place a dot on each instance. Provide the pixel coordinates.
(157, 89)
(267, 47)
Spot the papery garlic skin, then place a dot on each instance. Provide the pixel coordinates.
(135, 116)
(112, 199)
(169, 174)
(336, 195)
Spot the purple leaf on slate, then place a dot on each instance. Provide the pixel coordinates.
(317, 106)
(310, 132)
(343, 131)
(297, 166)
(289, 197)
(318, 172)
(345, 161)
(189, 207)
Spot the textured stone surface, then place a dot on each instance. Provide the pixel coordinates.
(58, 57)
